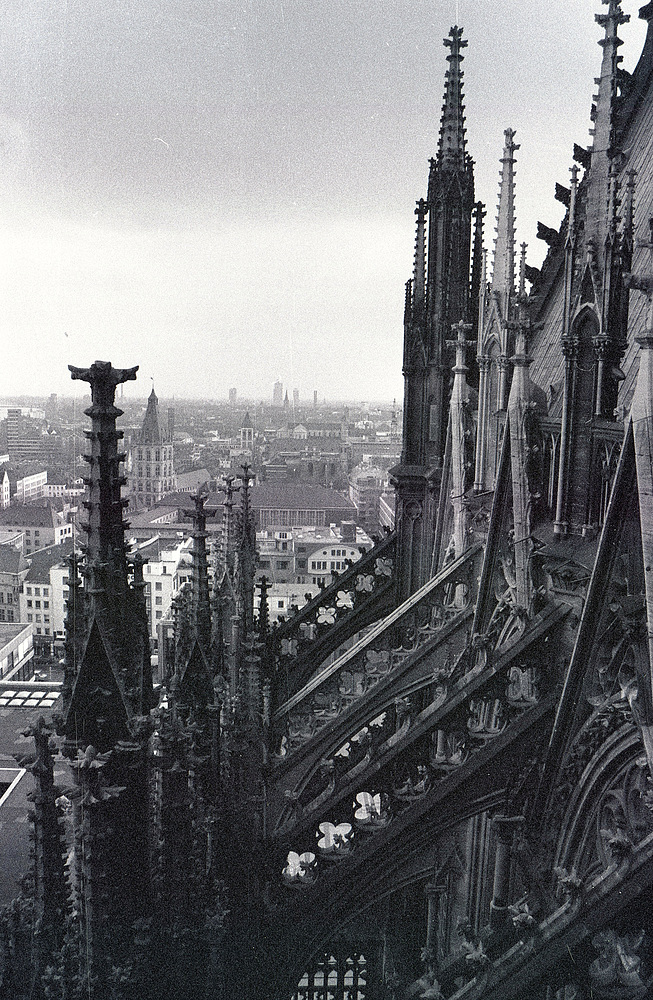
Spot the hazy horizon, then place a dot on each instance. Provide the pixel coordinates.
(224, 194)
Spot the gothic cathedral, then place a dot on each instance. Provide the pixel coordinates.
(436, 779)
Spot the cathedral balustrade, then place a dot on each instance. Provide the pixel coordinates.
(421, 743)
(358, 596)
(321, 872)
(392, 657)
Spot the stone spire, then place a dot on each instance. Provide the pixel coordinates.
(107, 702)
(452, 143)
(451, 204)
(519, 404)
(105, 547)
(152, 431)
(246, 553)
(428, 319)
(603, 115)
(110, 683)
(503, 272)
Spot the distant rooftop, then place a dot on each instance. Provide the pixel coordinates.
(29, 515)
(299, 496)
(41, 562)
(11, 559)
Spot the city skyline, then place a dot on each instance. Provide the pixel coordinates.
(227, 197)
(134, 396)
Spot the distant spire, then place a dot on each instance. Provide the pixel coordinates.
(152, 431)
(452, 143)
(503, 274)
(419, 278)
(603, 117)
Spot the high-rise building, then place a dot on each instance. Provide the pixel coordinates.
(277, 394)
(24, 442)
(233, 395)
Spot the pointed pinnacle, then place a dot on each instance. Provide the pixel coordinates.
(503, 275)
(419, 273)
(452, 142)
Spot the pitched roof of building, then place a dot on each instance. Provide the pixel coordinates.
(195, 478)
(151, 548)
(10, 559)
(40, 563)
(31, 515)
(142, 518)
(298, 496)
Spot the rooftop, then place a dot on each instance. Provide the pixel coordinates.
(298, 496)
(11, 630)
(33, 515)
(197, 478)
(10, 559)
(40, 563)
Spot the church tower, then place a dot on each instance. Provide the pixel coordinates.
(437, 298)
(151, 458)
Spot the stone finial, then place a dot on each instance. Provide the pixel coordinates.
(452, 143)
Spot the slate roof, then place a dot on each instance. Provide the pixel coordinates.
(41, 562)
(635, 125)
(196, 478)
(298, 496)
(30, 515)
(10, 559)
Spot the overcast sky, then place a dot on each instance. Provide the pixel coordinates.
(222, 191)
